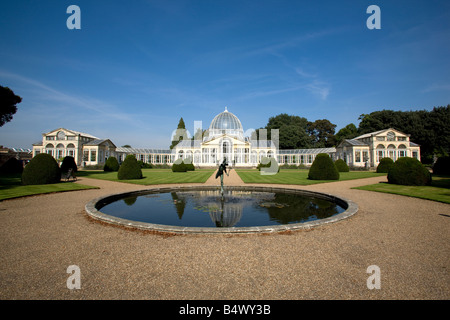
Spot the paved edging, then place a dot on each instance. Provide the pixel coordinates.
(92, 209)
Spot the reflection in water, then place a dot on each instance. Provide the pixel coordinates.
(207, 208)
(283, 208)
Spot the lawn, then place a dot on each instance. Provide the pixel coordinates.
(11, 187)
(298, 177)
(154, 176)
(438, 191)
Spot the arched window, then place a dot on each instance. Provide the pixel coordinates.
(380, 152)
(50, 149)
(391, 152)
(180, 154)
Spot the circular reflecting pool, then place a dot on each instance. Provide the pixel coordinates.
(204, 209)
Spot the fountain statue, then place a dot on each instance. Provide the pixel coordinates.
(220, 171)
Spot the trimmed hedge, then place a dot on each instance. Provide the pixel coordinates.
(42, 169)
(179, 166)
(323, 168)
(410, 172)
(188, 163)
(111, 164)
(341, 166)
(442, 166)
(384, 165)
(130, 169)
(68, 162)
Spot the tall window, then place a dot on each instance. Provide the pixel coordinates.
(357, 155)
(93, 155)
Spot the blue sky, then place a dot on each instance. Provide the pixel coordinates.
(136, 67)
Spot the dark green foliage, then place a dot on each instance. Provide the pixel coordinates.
(12, 165)
(179, 166)
(190, 167)
(129, 169)
(322, 133)
(188, 163)
(42, 169)
(341, 165)
(292, 131)
(8, 101)
(144, 165)
(111, 164)
(348, 132)
(442, 166)
(68, 162)
(323, 168)
(384, 165)
(410, 172)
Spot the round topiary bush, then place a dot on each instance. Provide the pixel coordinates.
(179, 166)
(384, 165)
(42, 169)
(442, 166)
(410, 172)
(130, 169)
(111, 164)
(341, 165)
(68, 163)
(323, 168)
(11, 166)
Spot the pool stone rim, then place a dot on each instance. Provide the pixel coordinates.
(93, 207)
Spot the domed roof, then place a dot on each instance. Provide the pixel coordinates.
(226, 121)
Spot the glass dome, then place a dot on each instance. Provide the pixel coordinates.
(226, 123)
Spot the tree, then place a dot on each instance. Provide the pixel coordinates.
(348, 132)
(292, 131)
(8, 101)
(321, 133)
(180, 133)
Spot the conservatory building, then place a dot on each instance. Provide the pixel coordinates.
(225, 139)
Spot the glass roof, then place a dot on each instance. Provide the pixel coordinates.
(226, 121)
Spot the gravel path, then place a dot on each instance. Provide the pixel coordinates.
(407, 238)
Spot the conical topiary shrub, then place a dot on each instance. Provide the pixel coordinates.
(410, 172)
(111, 164)
(42, 169)
(130, 169)
(323, 168)
(384, 165)
(341, 165)
(68, 163)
